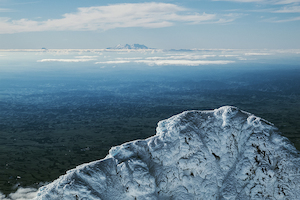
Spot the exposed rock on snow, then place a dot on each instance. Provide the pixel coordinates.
(220, 154)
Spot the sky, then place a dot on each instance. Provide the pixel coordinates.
(169, 24)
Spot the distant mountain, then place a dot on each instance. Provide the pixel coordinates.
(223, 154)
(127, 46)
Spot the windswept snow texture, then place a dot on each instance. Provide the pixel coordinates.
(220, 154)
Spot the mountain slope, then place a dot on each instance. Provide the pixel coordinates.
(220, 154)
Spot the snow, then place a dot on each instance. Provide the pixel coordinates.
(224, 153)
(128, 46)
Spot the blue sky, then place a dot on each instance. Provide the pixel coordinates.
(243, 24)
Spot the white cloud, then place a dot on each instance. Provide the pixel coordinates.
(287, 1)
(86, 57)
(65, 60)
(184, 62)
(133, 58)
(183, 56)
(257, 54)
(21, 194)
(114, 62)
(201, 57)
(227, 56)
(146, 15)
(170, 62)
(288, 9)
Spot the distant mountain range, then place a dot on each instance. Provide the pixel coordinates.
(128, 46)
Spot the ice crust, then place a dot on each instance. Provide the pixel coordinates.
(224, 153)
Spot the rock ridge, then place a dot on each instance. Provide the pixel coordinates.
(224, 153)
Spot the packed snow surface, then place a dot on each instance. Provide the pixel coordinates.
(224, 153)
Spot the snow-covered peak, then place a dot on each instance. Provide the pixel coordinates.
(224, 153)
(127, 46)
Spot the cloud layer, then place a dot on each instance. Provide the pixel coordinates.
(171, 62)
(192, 57)
(289, 9)
(146, 15)
(65, 60)
(276, 6)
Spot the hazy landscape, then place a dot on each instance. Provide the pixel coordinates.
(79, 77)
(54, 118)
